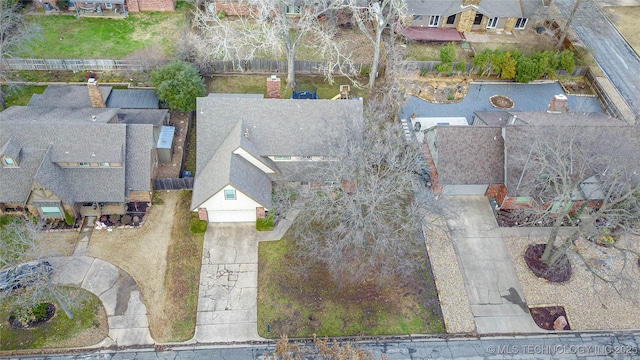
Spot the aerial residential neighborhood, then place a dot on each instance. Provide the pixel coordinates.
(302, 179)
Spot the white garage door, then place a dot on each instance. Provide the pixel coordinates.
(232, 216)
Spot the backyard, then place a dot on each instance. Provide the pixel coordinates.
(138, 36)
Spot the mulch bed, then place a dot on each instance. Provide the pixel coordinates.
(545, 316)
(50, 312)
(559, 273)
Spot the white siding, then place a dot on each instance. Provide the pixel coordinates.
(242, 209)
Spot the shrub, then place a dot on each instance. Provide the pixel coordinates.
(424, 72)
(444, 68)
(197, 226)
(566, 61)
(178, 84)
(451, 96)
(508, 67)
(526, 70)
(461, 66)
(68, 219)
(222, 14)
(114, 218)
(126, 219)
(448, 53)
(265, 224)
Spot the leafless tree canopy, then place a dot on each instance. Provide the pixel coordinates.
(588, 178)
(364, 224)
(269, 30)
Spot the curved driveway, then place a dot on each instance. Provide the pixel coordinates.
(614, 55)
(119, 293)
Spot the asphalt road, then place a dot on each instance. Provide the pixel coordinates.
(614, 55)
(619, 345)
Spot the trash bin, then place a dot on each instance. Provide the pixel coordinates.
(46, 6)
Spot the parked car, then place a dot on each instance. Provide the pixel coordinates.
(24, 274)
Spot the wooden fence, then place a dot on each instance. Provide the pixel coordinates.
(79, 64)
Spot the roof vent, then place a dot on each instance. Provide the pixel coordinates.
(93, 118)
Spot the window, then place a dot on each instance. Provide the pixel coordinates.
(434, 20)
(292, 9)
(492, 23)
(478, 19)
(50, 211)
(84, 164)
(104, 164)
(282, 157)
(451, 20)
(520, 23)
(417, 17)
(229, 194)
(108, 6)
(9, 162)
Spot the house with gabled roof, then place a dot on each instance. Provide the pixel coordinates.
(75, 158)
(448, 20)
(489, 157)
(245, 142)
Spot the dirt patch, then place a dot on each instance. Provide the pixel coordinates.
(142, 252)
(434, 88)
(625, 19)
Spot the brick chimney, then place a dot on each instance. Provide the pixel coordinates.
(273, 87)
(558, 104)
(95, 95)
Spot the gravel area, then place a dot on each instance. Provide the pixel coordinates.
(590, 303)
(180, 121)
(456, 310)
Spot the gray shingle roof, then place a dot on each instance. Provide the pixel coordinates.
(142, 116)
(132, 99)
(225, 168)
(493, 8)
(73, 96)
(466, 155)
(138, 154)
(49, 135)
(11, 148)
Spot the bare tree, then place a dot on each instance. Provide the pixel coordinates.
(583, 180)
(364, 223)
(373, 18)
(18, 245)
(272, 28)
(15, 33)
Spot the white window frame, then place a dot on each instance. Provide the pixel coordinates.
(84, 164)
(230, 194)
(434, 20)
(8, 161)
(108, 6)
(292, 10)
(492, 22)
(521, 23)
(104, 164)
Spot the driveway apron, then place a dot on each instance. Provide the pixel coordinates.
(492, 286)
(227, 302)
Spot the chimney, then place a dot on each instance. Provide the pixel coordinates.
(95, 95)
(558, 104)
(273, 87)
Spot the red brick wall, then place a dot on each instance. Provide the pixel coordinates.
(232, 8)
(156, 5)
(497, 191)
(133, 6)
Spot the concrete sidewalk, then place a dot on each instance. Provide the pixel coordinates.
(491, 283)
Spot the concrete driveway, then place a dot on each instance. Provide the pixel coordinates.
(492, 285)
(119, 293)
(227, 301)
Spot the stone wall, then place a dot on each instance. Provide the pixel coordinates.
(465, 20)
(508, 26)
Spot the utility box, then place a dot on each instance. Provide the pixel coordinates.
(165, 144)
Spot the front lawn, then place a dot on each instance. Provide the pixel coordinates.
(301, 306)
(104, 38)
(88, 327)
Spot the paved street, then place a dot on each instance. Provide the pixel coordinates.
(570, 346)
(616, 58)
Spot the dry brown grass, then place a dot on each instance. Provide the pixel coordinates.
(625, 18)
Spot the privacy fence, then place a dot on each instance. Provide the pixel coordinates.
(216, 67)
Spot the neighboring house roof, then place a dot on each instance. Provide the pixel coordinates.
(77, 97)
(92, 135)
(262, 127)
(466, 155)
(132, 99)
(491, 8)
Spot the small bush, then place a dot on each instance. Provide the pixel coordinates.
(114, 218)
(444, 68)
(424, 72)
(461, 67)
(197, 226)
(448, 53)
(68, 219)
(156, 198)
(265, 224)
(451, 97)
(126, 219)
(222, 14)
